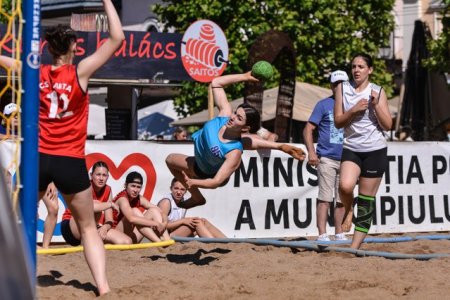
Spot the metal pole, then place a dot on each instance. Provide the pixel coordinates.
(134, 114)
(30, 106)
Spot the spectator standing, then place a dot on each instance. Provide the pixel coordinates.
(326, 158)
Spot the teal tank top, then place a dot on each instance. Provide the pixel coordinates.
(209, 150)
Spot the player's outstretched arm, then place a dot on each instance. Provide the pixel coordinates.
(11, 63)
(254, 142)
(92, 63)
(220, 97)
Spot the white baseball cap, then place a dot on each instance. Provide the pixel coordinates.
(338, 76)
(9, 109)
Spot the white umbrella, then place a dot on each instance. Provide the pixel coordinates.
(306, 96)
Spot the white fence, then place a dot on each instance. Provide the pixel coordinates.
(273, 195)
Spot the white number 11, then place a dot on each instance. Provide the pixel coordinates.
(53, 96)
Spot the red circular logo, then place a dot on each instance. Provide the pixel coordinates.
(204, 51)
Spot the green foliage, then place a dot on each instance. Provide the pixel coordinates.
(440, 48)
(5, 10)
(326, 34)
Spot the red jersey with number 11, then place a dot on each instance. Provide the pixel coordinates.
(102, 196)
(63, 112)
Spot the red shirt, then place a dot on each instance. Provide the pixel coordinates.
(102, 196)
(63, 112)
(136, 202)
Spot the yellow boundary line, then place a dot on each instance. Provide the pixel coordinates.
(107, 247)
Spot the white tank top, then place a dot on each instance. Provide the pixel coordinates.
(364, 133)
(176, 213)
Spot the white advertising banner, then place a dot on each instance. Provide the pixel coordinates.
(273, 195)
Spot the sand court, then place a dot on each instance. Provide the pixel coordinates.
(195, 270)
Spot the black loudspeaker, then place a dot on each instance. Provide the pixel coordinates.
(118, 124)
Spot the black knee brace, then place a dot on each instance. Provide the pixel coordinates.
(366, 207)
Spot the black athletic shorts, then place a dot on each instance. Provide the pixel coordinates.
(67, 234)
(69, 174)
(373, 164)
(202, 175)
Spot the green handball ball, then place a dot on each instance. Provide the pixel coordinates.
(262, 70)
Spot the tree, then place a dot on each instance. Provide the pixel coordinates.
(6, 10)
(439, 59)
(326, 34)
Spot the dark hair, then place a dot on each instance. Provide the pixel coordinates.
(134, 177)
(173, 181)
(100, 164)
(252, 116)
(59, 39)
(366, 57)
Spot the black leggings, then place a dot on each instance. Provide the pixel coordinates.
(373, 164)
(68, 235)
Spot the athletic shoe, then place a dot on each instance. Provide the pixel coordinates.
(323, 238)
(340, 237)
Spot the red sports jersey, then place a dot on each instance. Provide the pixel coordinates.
(63, 112)
(102, 196)
(136, 202)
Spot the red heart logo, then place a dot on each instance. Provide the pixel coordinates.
(134, 159)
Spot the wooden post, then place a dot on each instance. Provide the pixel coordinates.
(210, 102)
(399, 109)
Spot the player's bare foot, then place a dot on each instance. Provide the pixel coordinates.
(104, 292)
(347, 223)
